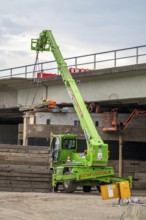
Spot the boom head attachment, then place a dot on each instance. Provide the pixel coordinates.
(41, 43)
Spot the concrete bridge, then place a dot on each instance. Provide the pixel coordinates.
(120, 82)
(111, 85)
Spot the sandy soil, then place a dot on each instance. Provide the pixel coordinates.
(58, 206)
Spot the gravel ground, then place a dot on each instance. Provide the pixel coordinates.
(60, 206)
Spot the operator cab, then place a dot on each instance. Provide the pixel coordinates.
(63, 146)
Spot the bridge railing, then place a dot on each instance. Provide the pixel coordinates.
(106, 59)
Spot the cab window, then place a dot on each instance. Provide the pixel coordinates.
(69, 144)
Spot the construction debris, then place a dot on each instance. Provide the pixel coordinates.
(47, 105)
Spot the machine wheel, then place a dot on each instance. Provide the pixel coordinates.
(98, 189)
(56, 187)
(69, 186)
(87, 189)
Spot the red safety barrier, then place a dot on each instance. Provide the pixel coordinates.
(44, 75)
(78, 70)
(71, 70)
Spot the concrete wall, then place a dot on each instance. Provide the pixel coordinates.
(125, 87)
(55, 92)
(31, 95)
(69, 118)
(8, 98)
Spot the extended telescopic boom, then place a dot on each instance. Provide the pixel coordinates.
(97, 151)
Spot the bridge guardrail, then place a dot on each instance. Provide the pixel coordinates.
(101, 60)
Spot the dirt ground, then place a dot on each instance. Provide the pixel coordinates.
(59, 206)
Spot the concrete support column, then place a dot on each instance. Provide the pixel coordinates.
(27, 119)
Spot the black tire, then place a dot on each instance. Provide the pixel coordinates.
(98, 189)
(56, 187)
(69, 186)
(86, 189)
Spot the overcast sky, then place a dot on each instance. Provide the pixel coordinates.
(79, 26)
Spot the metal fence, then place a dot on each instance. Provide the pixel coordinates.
(106, 59)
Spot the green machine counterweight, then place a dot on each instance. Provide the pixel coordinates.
(69, 167)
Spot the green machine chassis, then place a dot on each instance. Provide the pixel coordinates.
(91, 169)
(84, 176)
